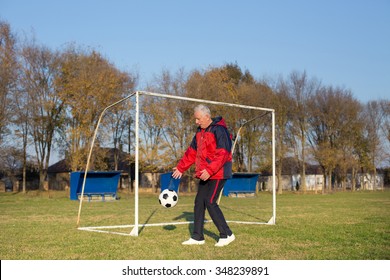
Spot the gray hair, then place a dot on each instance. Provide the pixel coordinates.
(204, 109)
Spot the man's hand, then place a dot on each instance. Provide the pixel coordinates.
(176, 173)
(204, 175)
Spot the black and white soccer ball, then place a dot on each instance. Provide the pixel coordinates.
(168, 198)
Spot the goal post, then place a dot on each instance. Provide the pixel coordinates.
(135, 228)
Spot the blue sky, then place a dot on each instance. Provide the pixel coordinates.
(341, 43)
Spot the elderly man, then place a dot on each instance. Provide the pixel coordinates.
(210, 151)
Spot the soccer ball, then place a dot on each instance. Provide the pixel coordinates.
(168, 198)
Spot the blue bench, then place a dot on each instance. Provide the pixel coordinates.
(236, 193)
(101, 195)
(244, 183)
(98, 184)
(167, 182)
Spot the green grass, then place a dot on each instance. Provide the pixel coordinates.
(339, 226)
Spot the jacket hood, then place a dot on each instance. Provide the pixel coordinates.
(219, 121)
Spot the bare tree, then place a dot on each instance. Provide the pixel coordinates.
(282, 105)
(334, 128)
(152, 122)
(178, 124)
(39, 69)
(385, 108)
(119, 117)
(252, 152)
(375, 132)
(349, 130)
(301, 89)
(8, 74)
(21, 121)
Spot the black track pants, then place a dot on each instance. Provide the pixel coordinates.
(207, 196)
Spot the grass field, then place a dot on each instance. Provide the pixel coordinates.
(338, 226)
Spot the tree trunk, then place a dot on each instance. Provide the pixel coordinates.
(344, 184)
(24, 179)
(353, 179)
(324, 185)
(330, 181)
(303, 172)
(279, 179)
(24, 165)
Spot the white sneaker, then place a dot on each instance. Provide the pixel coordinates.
(192, 241)
(225, 241)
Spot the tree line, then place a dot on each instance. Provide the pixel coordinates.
(52, 99)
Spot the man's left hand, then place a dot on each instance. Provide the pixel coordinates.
(204, 175)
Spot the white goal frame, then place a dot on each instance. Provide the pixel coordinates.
(136, 225)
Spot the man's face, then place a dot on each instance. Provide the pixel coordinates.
(202, 120)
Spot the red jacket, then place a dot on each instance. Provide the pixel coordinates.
(210, 149)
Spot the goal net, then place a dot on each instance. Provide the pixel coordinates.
(243, 120)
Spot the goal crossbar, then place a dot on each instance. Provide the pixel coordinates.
(136, 225)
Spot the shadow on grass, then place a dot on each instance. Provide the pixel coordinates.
(189, 217)
(147, 220)
(242, 213)
(169, 227)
